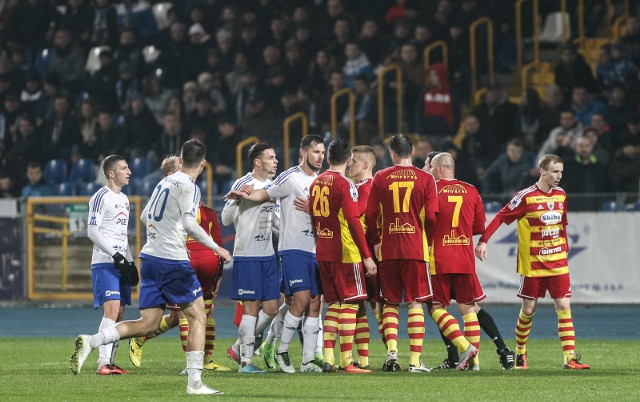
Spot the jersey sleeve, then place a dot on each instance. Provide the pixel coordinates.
(281, 187)
(432, 195)
(189, 201)
(96, 210)
(480, 218)
(371, 214)
(515, 209)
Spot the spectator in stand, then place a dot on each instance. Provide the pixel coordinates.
(27, 148)
(36, 186)
(32, 94)
(11, 109)
(341, 35)
(551, 107)
(422, 148)
(199, 44)
(572, 70)
(172, 136)
(61, 131)
(88, 126)
(307, 43)
(140, 127)
(129, 50)
(323, 100)
(109, 137)
(618, 108)
(632, 134)
(156, 95)
(67, 60)
(202, 117)
(413, 76)
(7, 187)
(104, 31)
(294, 66)
(613, 66)
(510, 172)
(225, 53)
(174, 56)
(101, 84)
(32, 22)
(476, 144)
(422, 37)
(248, 88)
(458, 52)
(629, 43)
(498, 117)
(356, 64)
(319, 71)
(585, 105)
(372, 42)
(599, 151)
(364, 111)
(263, 122)
(222, 160)
(277, 30)
(127, 83)
(564, 135)
(531, 129)
(607, 139)
(438, 112)
(584, 174)
(625, 171)
(441, 18)
(465, 169)
(78, 16)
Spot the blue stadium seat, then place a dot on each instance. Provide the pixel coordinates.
(145, 188)
(492, 206)
(89, 188)
(42, 62)
(66, 189)
(609, 206)
(82, 171)
(139, 167)
(55, 171)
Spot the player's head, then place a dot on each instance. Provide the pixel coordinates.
(443, 166)
(427, 162)
(401, 146)
(116, 170)
(170, 165)
(551, 168)
(263, 158)
(192, 154)
(338, 152)
(312, 152)
(363, 159)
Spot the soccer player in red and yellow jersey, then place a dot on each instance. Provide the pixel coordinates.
(541, 212)
(453, 272)
(404, 197)
(341, 250)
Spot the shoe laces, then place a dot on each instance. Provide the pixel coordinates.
(576, 358)
(285, 358)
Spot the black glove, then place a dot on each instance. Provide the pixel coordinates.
(122, 265)
(134, 278)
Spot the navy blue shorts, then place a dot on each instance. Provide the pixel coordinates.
(255, 279)
(300, 272)
(167, 281)
(107, 286)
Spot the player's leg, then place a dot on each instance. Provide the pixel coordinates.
(109, 319)
(471, 330)
(488, 325)
(442, 295)
(530, 290)
(167, 322)
(467, 290)
(275, 331)
(310, 329)
(560, 290)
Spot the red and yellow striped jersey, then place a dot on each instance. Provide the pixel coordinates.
(461, 216)
(542, 236)
(333, 202)
(208, 220)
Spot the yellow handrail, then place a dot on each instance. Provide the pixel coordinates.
(251, 140)
(536, 33)
(352, 114)
(381, 73)
(426, 54)
(616, 31)
(209, 173)
(285, 126)
(472, 50)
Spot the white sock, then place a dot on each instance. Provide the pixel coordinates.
(247, 337)
(104, 351)
(263, 322)
(319, 341)
(114, 350)
(310, 335)
(195, 365)
(276, 325)
(290, 327)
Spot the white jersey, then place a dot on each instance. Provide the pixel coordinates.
(174, 196)
(253, 221)
(296, 229)
(110, 213)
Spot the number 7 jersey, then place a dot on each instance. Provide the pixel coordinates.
(402, 196)
(173, 197)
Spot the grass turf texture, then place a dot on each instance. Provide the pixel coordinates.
(38, 369)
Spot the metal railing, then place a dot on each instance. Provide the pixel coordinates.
(239, 148)
(302, 116)
(209, 175)
(536, 33)
(381, 73)
(439, 44)
(352, 114)
(473, 53)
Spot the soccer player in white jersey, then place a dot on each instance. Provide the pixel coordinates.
(167, 276)
(296, 251)
(112, 269)
(255, 274)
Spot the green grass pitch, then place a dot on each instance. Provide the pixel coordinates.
(38, 369)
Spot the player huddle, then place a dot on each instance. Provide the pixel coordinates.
(402, 236)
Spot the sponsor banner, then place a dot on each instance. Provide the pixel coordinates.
(603, 260)
(11, 261)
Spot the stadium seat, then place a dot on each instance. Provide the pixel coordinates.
(89, 188)
(552, 31)
(609, 206)
(82, 171)
(150, 54)
(55, 171)
(41, 63)
(160, 14)
(492, 206)
(93, 59)
(66, 189)
(144, 188)
(139, 167)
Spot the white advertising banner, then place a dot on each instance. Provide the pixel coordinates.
(604, 260)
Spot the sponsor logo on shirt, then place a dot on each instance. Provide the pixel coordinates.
(452, 240)
(554, 232)
(549, 251)
(325, 233)
(397, 228)
(551, 217)
(403, 175)
(453, 189)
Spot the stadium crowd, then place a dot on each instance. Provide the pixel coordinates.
(82, 79)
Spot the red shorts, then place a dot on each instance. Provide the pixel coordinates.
(559, 287)
(373, 288)
(206, 264)
(408, 278)
(465, 288)
(342, 282)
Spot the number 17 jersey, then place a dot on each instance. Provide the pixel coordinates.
(402, 196)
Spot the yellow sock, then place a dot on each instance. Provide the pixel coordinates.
(567, 334)
(209, 339)
(523, 328)
(347, 331)
(330, 332)
(184, 332)
(164, 327)
(390, 321)
(472, 333)
(449, 327)
(362, 335)
(415, 327)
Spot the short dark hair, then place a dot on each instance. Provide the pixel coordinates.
(548, 159)
(109, 163)
(310, 140)
(401, 144)
(338, 152)
(192, 153)
(256, 151)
